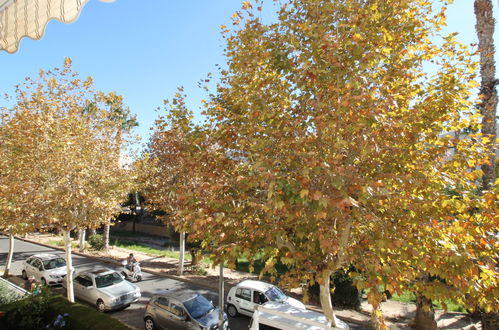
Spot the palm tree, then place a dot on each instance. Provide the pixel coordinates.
(485, 31)
(488, 106)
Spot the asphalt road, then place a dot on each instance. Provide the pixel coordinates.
(149, 285)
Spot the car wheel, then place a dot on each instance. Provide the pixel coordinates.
(100, 305)
(139, 278)
(149, 323)
(44, 282)
(232, 310)
(24, 275)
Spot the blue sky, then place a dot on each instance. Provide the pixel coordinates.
(145, 49)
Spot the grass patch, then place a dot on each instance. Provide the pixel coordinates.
(410, 297)
(243, 265)
(406, 297)
(124, 234)
(145, 249)
(60, 242)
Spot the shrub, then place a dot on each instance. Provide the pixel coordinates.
(345, 293)
(199, 270)
(29, 313)
(59, 314)
(96, 242)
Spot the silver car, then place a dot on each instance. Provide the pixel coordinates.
(104, 288)
(181, 309)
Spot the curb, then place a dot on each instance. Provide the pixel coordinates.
(181, 279)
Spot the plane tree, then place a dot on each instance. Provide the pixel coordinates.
(334, 132)
(62, 139)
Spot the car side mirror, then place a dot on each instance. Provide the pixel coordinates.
(40, 268)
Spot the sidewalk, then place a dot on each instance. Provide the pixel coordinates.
(397, 315)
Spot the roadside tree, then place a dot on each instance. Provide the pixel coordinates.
(65, 132)
(336, 135)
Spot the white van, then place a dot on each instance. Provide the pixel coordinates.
(243, 297)
(272, 316)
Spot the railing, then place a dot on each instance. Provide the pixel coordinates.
(20, 292)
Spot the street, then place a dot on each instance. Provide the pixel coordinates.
(149, 285)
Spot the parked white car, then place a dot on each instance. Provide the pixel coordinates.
(49, 269)
(243, 297)
(105, 289)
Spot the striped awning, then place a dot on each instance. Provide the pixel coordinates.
(28, 18)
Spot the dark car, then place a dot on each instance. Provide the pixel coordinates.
(181, 309)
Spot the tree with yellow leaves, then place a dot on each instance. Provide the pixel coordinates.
(339, 138)
(61, 143)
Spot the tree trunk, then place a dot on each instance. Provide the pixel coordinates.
(81, 238)
(69, 266)
(182, 255)
(105, 236)
(488, 107)
(195, 256)
(8, 263)
(425, 314)
(325, 296)
(377, 319)
(484, 27)
(490, 321)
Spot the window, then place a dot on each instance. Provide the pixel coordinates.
(259, 297)
(176, 309)
(83, 280)
(243, 294)
(36, 263)
(162, 302)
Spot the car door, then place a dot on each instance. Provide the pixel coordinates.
(243, 300)
(28, 267)
(259, 298)
(36, 269)
(83, 285)
(178, 315)
(160, 308)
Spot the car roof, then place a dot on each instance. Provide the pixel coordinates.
(95, 272)
(181, 295)
(257, 285)
(45, 256)
(291, 315)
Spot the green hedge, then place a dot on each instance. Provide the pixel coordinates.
(96, 242)
(345, 294)
(37, 312)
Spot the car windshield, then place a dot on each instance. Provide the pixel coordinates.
(198, 306)
(274, 294)
(108, 280)
(54, 263)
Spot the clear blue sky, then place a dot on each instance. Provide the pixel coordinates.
(145, 49)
